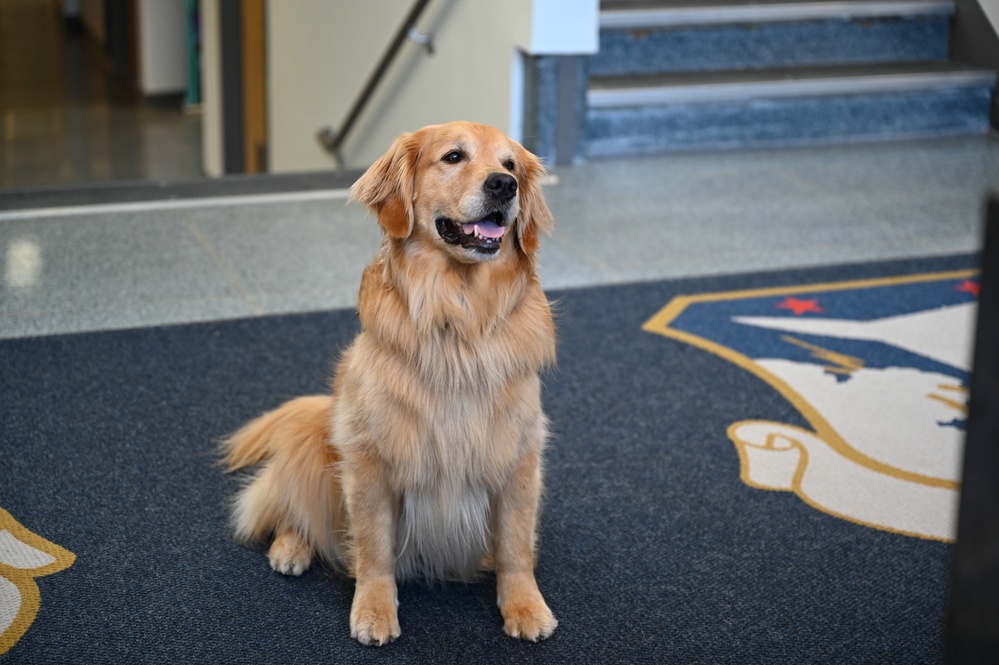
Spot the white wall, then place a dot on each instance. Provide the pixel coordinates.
(161, 42)
(563, 27)
(320, 54)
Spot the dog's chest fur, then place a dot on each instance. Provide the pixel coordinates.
(454, 410)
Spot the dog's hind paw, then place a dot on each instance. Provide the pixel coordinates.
(290, 554)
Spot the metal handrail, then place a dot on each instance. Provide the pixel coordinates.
(331, 139)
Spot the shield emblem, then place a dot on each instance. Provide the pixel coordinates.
(880, 371)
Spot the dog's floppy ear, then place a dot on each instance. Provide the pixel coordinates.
(535, 216)
(387, 186)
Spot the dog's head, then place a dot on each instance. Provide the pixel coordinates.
(466, 187)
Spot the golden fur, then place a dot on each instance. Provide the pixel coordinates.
(425, 462)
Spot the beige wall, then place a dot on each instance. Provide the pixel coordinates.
(320, 54)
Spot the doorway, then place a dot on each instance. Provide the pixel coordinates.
(70, 111)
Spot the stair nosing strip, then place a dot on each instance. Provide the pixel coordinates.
(623, 19)
(784, 88)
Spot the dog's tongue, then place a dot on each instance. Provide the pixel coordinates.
(485, 228)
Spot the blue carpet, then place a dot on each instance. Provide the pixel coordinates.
(652, 548)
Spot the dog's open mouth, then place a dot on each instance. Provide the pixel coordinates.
(484, 235)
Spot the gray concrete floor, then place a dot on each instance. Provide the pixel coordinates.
(84, 269)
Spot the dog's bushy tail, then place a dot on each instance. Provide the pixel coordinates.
(260, 438)
(295, 488)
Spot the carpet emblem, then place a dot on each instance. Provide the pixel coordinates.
(23, 557)
(878, 368)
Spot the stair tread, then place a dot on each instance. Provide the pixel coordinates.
(638, 14)
(789, 73)
(716, 86)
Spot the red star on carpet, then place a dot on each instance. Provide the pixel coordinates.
(968, 286)
(800, 306)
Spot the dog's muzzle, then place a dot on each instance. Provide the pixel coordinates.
(483, 235)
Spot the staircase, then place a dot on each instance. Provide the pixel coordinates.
(689, 75)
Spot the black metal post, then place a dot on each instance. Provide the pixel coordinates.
(972, 634)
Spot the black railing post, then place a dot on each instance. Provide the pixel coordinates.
(972, 632)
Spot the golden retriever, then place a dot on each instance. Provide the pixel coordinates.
(426, 460)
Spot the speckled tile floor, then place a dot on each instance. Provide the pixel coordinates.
(81, 269)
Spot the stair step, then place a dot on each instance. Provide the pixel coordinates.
(696, 88)
(657, 114)
(707, 74)
(673, 38)
(645, 15)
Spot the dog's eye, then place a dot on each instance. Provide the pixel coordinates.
(509, 165)
(453, 157)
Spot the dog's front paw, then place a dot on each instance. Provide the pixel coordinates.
(290, 554)
(374, 618)
(525, 614)
(374, 628)
(528, 619)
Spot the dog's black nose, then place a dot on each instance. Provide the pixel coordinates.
(500, 186)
